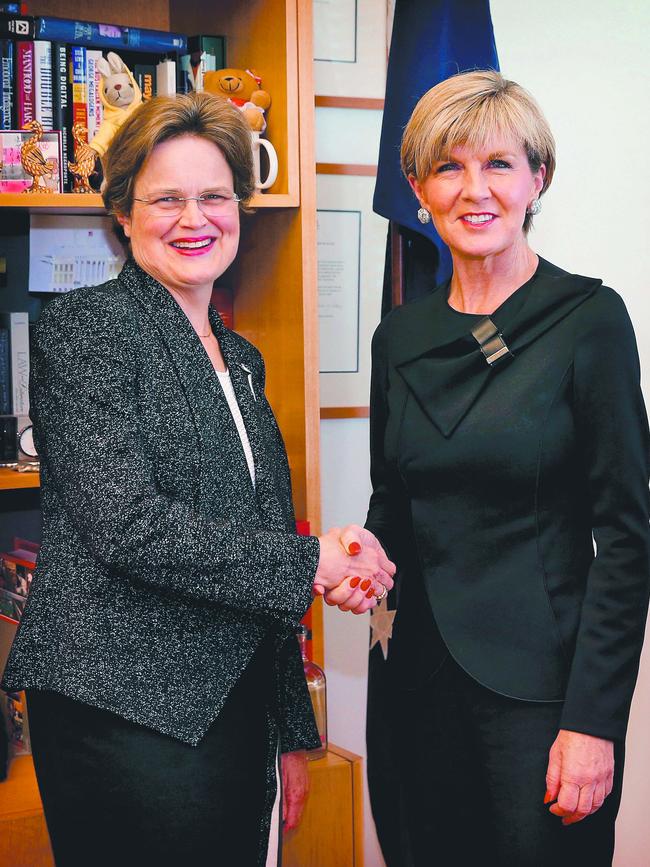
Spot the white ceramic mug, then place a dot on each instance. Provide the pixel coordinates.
(257, 143)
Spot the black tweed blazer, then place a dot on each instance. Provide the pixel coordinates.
(161, 567)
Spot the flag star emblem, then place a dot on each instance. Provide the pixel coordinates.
(381, 626)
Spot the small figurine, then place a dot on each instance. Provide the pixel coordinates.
(120, 96)
(84, 165)
(243, 88)
(33, 160)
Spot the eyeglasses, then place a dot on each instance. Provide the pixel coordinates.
(210, 204)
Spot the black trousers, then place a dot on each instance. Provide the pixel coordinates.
(116, 793)
(472, 777)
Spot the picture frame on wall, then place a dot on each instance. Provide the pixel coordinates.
(350, 49)
(350, 277)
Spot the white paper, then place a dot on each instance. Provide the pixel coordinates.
(335, 30)
(354, 193)
(339, 239)
(67, 252)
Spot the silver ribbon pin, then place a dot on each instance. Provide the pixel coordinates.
(250, 380)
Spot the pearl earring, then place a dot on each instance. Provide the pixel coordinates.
(534, 208)
(424, 216)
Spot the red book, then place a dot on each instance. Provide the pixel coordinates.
(25, 82)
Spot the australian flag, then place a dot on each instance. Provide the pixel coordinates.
(432, 40)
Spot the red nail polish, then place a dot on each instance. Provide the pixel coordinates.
(547, 797)
(370, 594)
(366, 583)
(354, 548)
(354, 582)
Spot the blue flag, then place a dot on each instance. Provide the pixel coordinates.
(432, 40)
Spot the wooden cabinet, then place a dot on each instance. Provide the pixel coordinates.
(330, 834)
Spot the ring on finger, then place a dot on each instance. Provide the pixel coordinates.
(383, 594)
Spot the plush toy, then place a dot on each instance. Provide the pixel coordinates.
(120, 96)
(241, 87)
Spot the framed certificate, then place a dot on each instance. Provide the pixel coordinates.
(351, 249)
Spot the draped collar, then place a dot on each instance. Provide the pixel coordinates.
(442, 363)
(204, 394)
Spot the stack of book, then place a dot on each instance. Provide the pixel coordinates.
(48, 73)
(14, 364)
(16, 573)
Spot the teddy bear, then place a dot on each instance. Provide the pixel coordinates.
(241, 87)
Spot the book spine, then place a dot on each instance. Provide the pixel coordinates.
(61, 107)
(43, 108)
(25, 82)
(166, 78)
(5, 393)
(108, 35)
(93, 77)
(7, 80)
(19, 362)
(145, 75)
(79, 87)
(17, 26)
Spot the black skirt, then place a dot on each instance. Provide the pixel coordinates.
(116, 793)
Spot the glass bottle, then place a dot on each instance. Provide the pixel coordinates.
(316, 683)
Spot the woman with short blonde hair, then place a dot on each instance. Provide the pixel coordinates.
(508, 433)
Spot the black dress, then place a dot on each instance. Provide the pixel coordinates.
(488, 481)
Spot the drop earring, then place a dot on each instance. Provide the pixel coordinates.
(424, 216)
(534, 208)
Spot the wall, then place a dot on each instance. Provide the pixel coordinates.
(586, 62)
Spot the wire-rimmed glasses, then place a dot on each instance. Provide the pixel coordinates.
(211, 204)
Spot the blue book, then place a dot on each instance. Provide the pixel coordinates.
(5, 388)
(7, 84)
(108, 35)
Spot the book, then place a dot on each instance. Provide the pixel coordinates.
(43, 83)
(108, 35)
(17, 325)
(94, 104)
(61, 109)
(25, 82)
(166, 78)
(79, 88)
(5, 388)
(204, 54)
(17, 26)
(145, 75)
(7, 120)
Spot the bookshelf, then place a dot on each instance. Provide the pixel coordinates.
(274, 278)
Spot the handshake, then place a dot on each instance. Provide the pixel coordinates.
(353, 570)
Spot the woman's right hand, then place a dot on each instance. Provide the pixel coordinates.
(353, 569)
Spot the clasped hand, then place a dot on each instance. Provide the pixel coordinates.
(353, 569)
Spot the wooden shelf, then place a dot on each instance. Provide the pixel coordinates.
(91, 203)
(10, 480)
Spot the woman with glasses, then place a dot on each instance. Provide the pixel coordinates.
(157, 646)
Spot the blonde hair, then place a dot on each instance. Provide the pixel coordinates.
(164, 118)
(473, 109)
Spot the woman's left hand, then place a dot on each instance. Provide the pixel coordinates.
(295, 788)
(580, 775)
